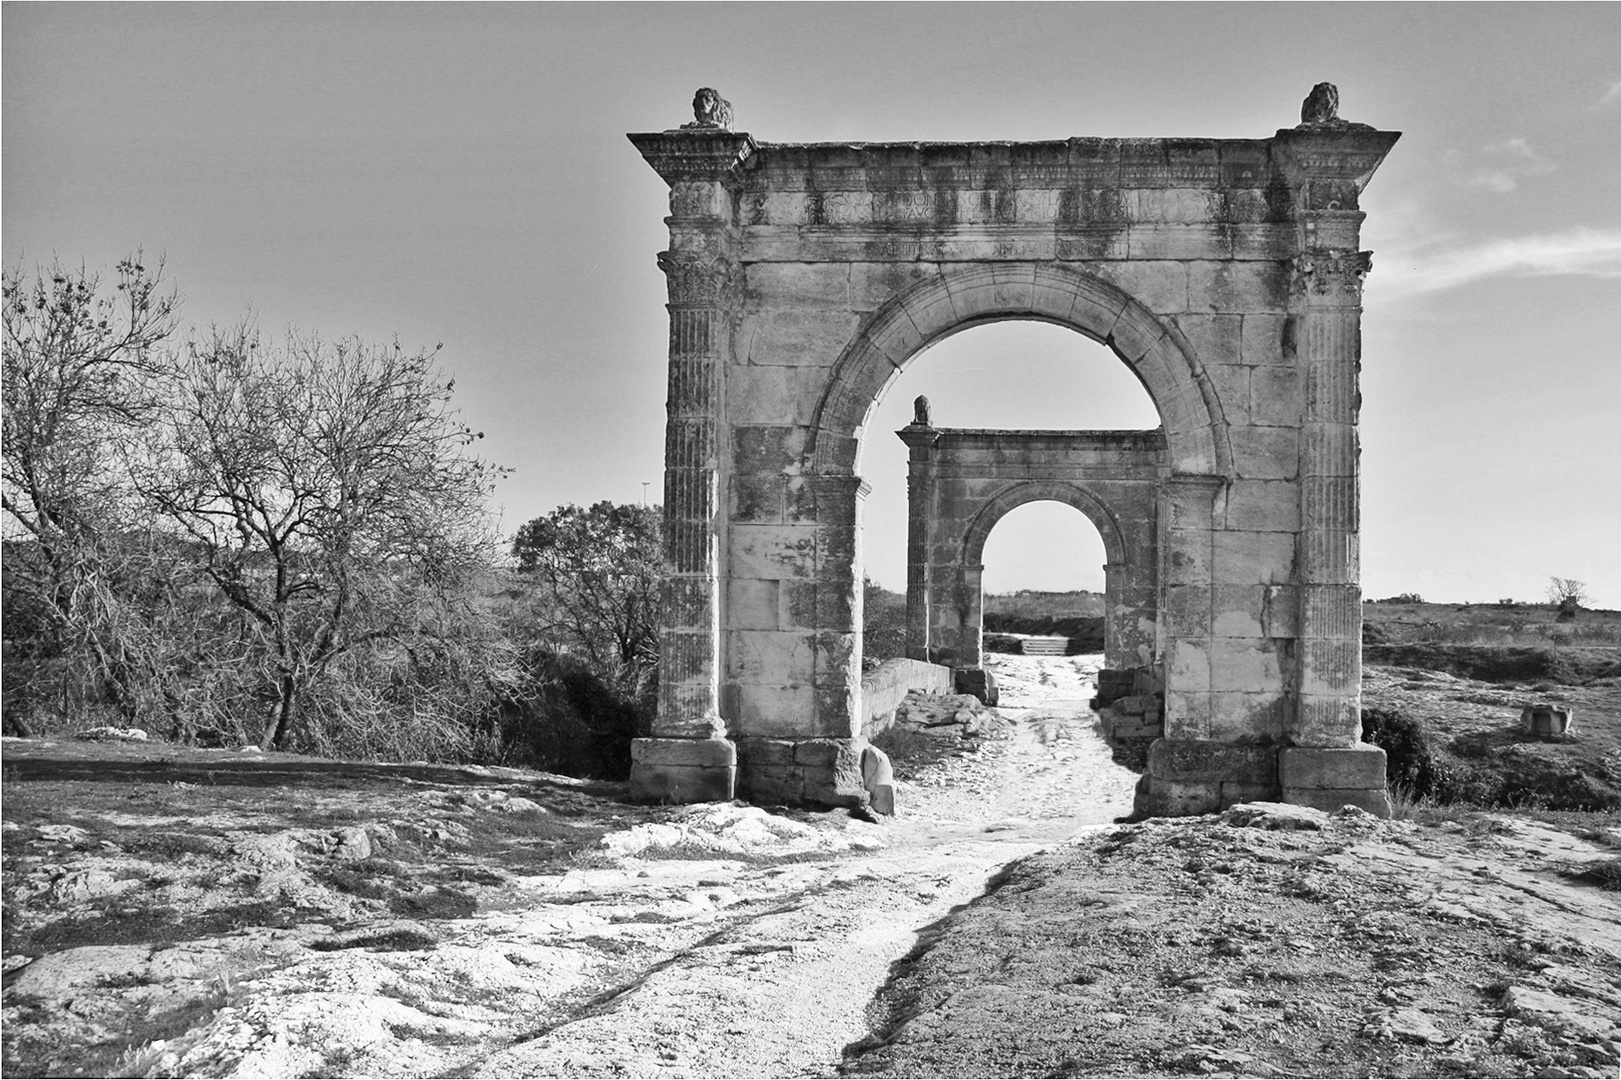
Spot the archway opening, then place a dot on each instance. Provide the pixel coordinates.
(1011, 375)
(1044, 561)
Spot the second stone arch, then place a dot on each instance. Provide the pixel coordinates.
(962, 481)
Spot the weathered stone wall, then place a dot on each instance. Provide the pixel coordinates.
(1224, 273)
(887, 685)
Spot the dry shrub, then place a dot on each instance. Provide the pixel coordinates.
(567, 718)
(883, 624)
(1412, 765)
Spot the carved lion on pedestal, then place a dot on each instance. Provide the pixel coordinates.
(1322, 105)
(710, 110)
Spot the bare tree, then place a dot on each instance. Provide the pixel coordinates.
(328, 492)
(1567, 594)
(81, 369)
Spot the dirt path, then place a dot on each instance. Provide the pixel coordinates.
(298, 919)
(198, 913)
(784, 990)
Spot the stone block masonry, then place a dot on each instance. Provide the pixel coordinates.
(1224, 273)
(887, 685)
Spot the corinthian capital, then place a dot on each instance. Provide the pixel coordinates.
(1326, 272)
(699, 279)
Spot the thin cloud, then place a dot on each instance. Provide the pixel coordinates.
(1612, 95)
(1500, 182)
(1434, 268)
(1512, 159)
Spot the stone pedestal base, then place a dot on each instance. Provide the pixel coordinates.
(682, 770)
(1187, 777)
(1329, 779)
(796, 772)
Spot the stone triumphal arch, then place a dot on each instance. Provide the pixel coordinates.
(1225, 273)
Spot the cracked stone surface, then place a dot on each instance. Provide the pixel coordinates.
(1002, 924)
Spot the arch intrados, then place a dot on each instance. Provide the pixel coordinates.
(1023, 493)
(935, 308)
(996, 320)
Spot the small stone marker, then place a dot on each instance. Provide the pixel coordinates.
(879, 780)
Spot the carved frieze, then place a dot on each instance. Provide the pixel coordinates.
(1324, 273)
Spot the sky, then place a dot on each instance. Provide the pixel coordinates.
(459, 174)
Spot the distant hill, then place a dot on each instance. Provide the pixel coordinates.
(1035, 604)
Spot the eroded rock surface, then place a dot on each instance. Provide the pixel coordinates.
(405, 921)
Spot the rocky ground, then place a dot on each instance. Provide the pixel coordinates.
(176, 912)
(1474, 728)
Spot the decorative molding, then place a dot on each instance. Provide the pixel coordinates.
(699, 279)
(713, 154)
(1326, 272)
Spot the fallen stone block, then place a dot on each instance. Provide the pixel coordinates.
(978, 682)
(1133, 704)
(878, 777)
(1275, 816)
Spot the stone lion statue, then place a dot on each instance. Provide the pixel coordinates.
(710, 110)
(1322, 105)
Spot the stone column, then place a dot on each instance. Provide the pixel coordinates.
(1328, 351)
(1327, 162)
(688, 759)
(970, 610)
(920, 439)
(1114, 618)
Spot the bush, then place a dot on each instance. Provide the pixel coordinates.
(883, 624)
(1412, 765)
(566, 718)
(1085, 633)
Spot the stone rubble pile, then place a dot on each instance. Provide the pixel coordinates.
(949, 716)
(1135, 716)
